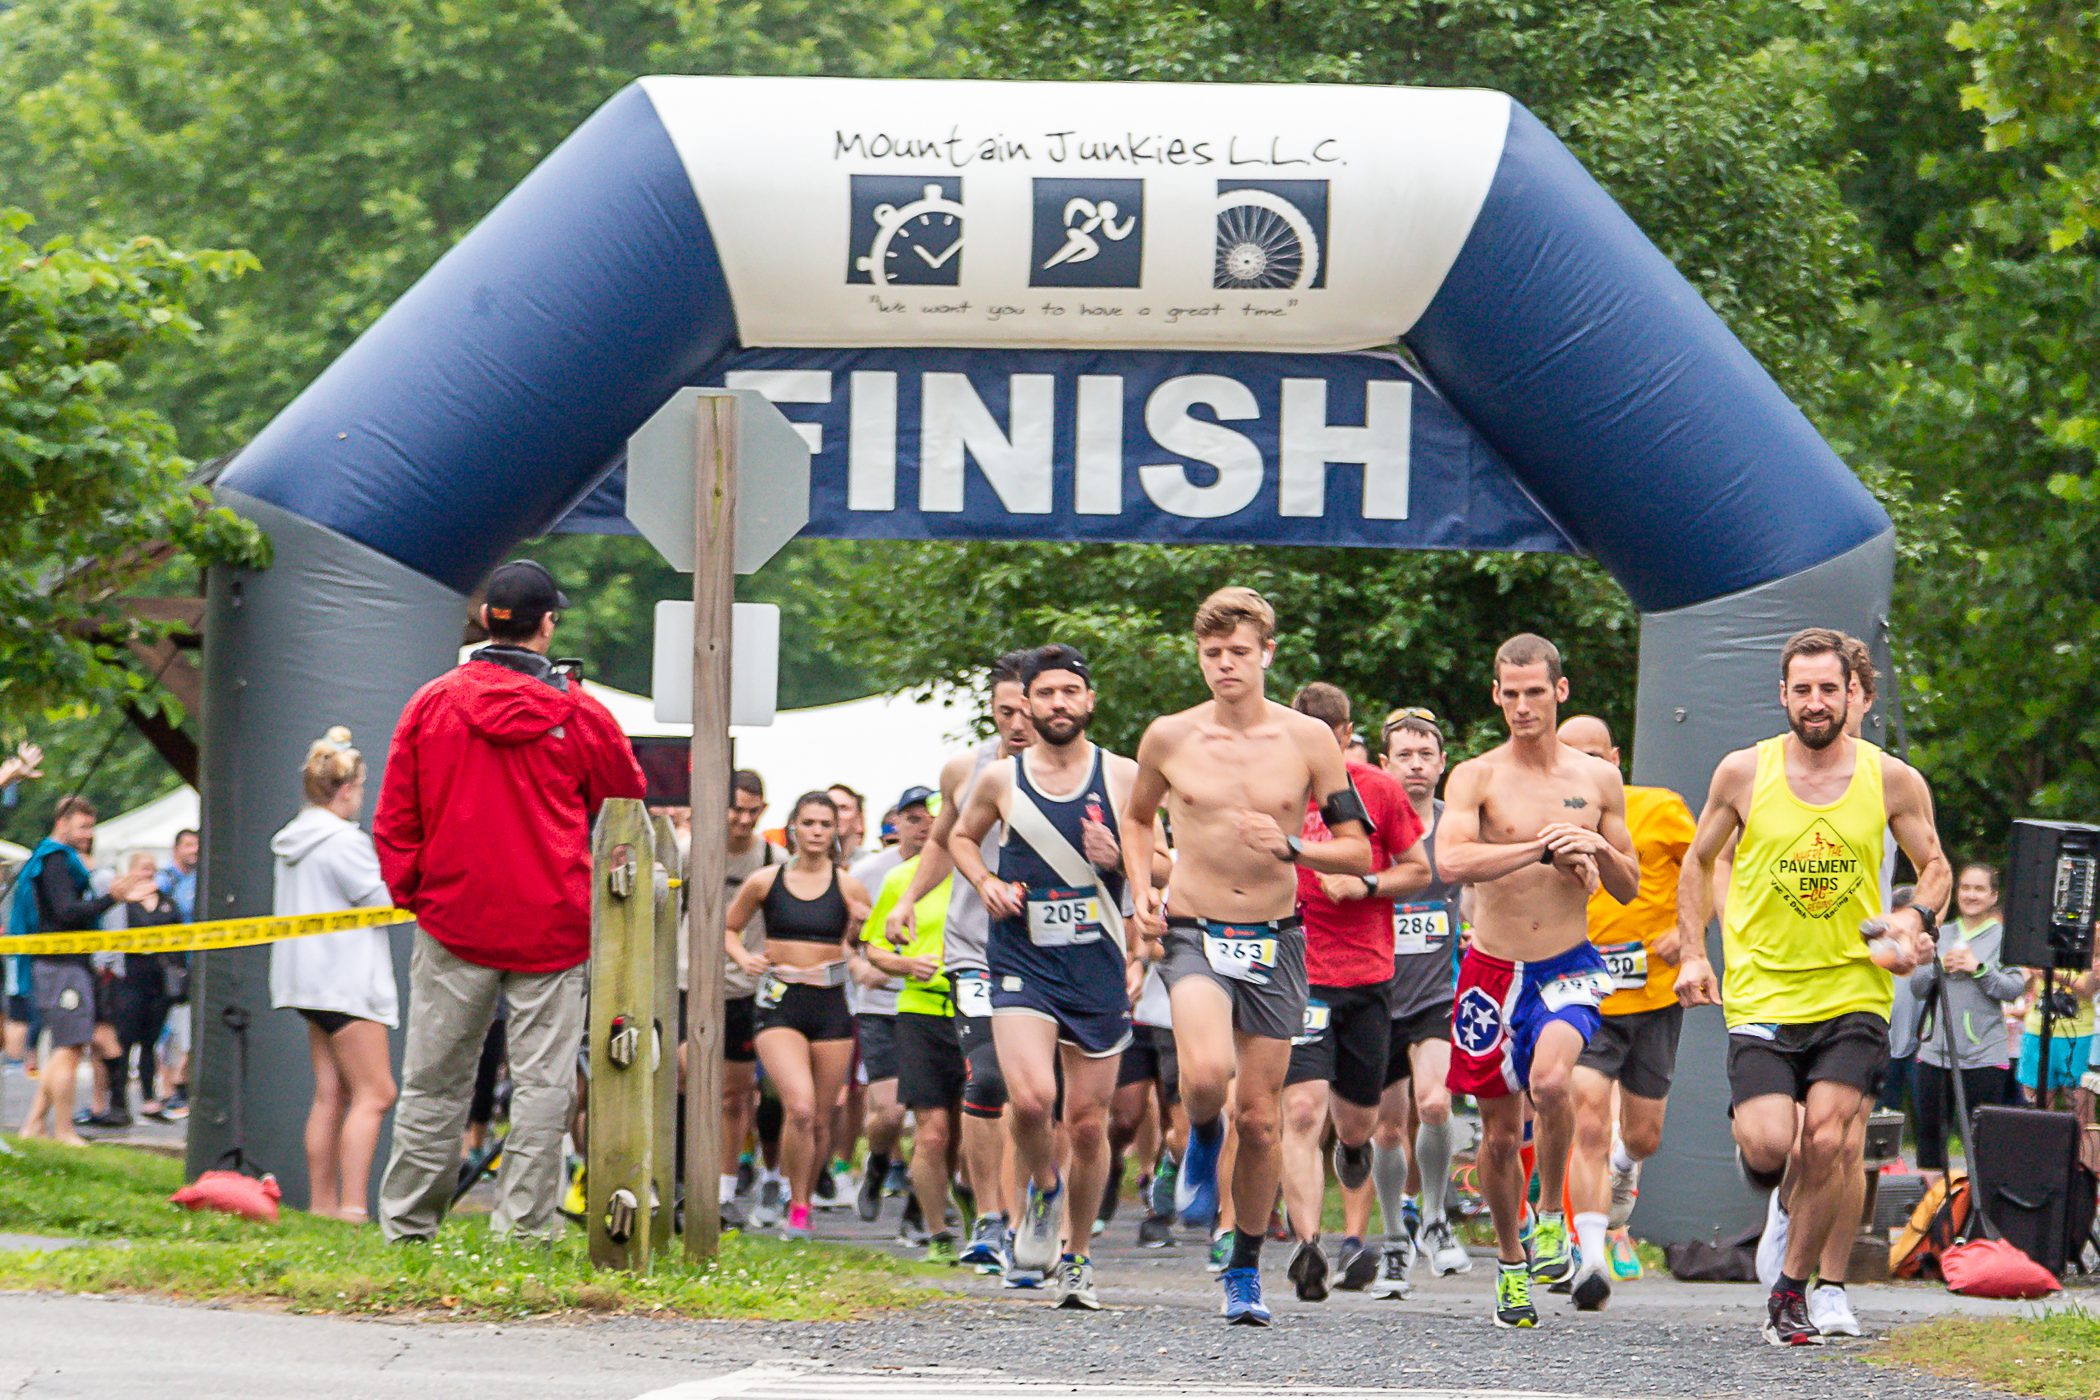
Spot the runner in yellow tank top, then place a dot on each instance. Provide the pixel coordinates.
(1809, 952)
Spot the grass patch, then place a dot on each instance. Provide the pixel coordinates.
(2053, 1355)
(138, 1243)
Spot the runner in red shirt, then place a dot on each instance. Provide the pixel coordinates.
(1338, 1061)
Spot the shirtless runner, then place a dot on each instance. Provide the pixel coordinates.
(1535, 825)
(1235, 773)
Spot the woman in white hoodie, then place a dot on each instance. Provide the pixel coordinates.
(342, 983)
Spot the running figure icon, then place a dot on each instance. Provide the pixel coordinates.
(1083, 218)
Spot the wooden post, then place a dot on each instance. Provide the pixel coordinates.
(663, 1087)
(714, 591)
(623, 937)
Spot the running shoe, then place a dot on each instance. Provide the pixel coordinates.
(1155, 1232)
(1013, 1277)
(796, 1226)
(772, 1199)
(940, 1249)
(1196, 1184)
(1357, 1264)
(985, 1239)
(1591, 1289)
(1161, 1198)
(911, 1225)
(1352, 1165)
(824, 1193)
(1393, 1263)
(575, 1202)
(1771, 1245)
(1625, 1190)
(1625, 1259)
(1411, 1217)
(1445, 1254)
(1552, 1259)
(1243, 1304)
(1075, 1283)
(965, 1199)
(1513, 1307)
(868, 1202)
(1220, 1251)
(1830, 1311)
(746, 1174)
(1308, 1270)
(898, 1182)
(1035, 1238)
(1786, 1320)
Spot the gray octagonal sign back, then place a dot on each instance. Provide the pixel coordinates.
(772, 482)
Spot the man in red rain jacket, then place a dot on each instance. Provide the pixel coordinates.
(484, 825)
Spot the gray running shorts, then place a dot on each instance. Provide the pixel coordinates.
(1273, 1007)
(65, 998)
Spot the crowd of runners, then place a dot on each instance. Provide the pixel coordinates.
(1247, 952)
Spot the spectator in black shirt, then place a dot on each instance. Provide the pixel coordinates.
(53, 895)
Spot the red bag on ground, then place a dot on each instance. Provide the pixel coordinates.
(233, 1194)
(1994, 1269)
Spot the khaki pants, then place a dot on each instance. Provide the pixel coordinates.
(450, 1004)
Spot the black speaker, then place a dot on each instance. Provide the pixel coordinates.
(2051, 884)
(2026, 1175)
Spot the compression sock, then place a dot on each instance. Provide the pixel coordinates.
(1433, 1151)
(1389, 1175)
(878, 1167)
(1620, 1162)
(1246, 1249)
(1787, 1284)
(1529, 1156)
(119, 1084)
(1590, 1230)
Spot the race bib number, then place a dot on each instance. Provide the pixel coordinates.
(1627, 963)
(1576, 989)
(1063, 920)
(1420, 928)
(973, 995)
(1243, 954)
(1318, 1017)
(770, 990)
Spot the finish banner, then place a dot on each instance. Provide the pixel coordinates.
(1353, 450)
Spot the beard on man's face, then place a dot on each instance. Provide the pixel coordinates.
(1059, 730)
(1819, 732)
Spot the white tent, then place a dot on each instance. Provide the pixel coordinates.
(880, 745)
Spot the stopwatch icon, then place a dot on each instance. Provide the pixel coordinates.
(917, 243)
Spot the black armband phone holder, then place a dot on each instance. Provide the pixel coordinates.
(1345, 806)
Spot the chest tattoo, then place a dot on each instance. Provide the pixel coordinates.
(1577, 803)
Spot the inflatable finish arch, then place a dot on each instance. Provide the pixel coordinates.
(1396, 318)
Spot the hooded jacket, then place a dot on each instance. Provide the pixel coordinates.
(323, 864)
(496, 772)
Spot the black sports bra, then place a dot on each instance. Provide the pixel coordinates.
(794, 920)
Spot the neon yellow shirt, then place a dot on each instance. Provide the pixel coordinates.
(1661, 827)
(932, 998)
(1806, 876)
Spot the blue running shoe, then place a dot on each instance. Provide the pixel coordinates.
(1196, 1184)
(983, 1251)
(1411, 1214)
(1243, 1304)
(1035, 1233)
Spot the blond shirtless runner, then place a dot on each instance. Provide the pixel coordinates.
(1534, 824)
(1234, 774)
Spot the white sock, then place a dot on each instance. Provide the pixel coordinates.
(777, 1178)
(1590, 1229)
(725, 1189)
(1620, 1162)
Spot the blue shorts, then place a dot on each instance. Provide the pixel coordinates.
(1097, 1033)
(1503, 1007)
(2068, 1057)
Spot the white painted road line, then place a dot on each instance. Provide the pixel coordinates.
(775, 1382)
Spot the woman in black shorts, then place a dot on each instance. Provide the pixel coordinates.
(805, 1033)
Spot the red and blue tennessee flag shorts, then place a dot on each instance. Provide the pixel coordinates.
(1502, 1008)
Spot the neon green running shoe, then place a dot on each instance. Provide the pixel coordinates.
(941, 1249)
(1513, 1306)
(1552, 1260)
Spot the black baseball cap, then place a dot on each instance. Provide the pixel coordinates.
(1054, 657)
(522, 589)
(915, 797)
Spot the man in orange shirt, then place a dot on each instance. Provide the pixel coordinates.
(1636, 1051)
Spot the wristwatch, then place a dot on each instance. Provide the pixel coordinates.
(1296, 849)
(1370, 883)
(1928, 916)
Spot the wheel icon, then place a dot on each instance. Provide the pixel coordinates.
(1265, 243)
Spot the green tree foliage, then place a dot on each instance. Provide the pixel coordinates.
(349, 143)
(90, 483)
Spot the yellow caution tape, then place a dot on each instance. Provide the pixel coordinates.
(201, 937)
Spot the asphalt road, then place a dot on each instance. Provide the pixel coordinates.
(1158, 1335)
